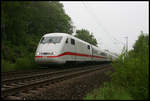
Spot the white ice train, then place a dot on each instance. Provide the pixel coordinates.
(60, 48)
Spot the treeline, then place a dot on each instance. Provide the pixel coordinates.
(86, 36)
(132, 69)
(130, 79)
(23, 24)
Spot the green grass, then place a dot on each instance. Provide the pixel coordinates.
(7, 66)
(108, 92)
(23, 63)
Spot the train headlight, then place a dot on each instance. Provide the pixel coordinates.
(38, 53)
(52, 53)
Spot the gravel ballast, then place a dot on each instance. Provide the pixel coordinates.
(73, 89)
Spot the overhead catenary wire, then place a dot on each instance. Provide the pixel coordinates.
(95, 20)
(100, 24)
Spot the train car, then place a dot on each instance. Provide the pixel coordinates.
(60, 48)
(111, 56)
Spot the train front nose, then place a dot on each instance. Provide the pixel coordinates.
(48, 59)
(48, 50)
(44, 60)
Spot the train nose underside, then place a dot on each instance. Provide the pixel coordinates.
(48, 53)
(48, 60)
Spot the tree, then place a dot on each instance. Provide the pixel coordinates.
(23, 24)
(85, 35)
(131, 71)
(141, 44)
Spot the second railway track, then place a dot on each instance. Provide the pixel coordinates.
(17, 87)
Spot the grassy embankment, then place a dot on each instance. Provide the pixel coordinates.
(130, 79)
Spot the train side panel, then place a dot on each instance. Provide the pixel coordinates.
(76, 50)
(98, 55)
(69, 49)
(83, 51)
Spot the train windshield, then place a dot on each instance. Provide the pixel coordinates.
(54, 39)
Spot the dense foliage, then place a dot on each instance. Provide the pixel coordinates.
(130, 79)
(132, 71)
(85, 35)
(23, 24)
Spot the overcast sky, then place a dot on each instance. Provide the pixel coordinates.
(110, 22)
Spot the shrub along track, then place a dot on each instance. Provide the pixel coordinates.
(29, 86)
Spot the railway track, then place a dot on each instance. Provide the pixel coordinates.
(8, 75)
(20, 73)
(19, 88)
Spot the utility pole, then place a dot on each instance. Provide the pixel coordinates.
(126, 45)
(74, 30)
(99, 44)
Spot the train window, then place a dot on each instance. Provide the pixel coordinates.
(67, 40)
(102, 53)
(94, 51)
(88, 46)
(72, 41)
(54, 39)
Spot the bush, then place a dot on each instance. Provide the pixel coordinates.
(131, 71)
(130, 79)
(7, 66)
(109, 92)
(26, 63)
(21, 63)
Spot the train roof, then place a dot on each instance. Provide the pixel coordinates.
(56, 34)
(68, 35)
(65, 34)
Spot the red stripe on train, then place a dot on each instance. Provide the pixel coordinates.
(70, 53)
(38, 56)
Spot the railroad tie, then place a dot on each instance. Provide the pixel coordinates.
(13, 98)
